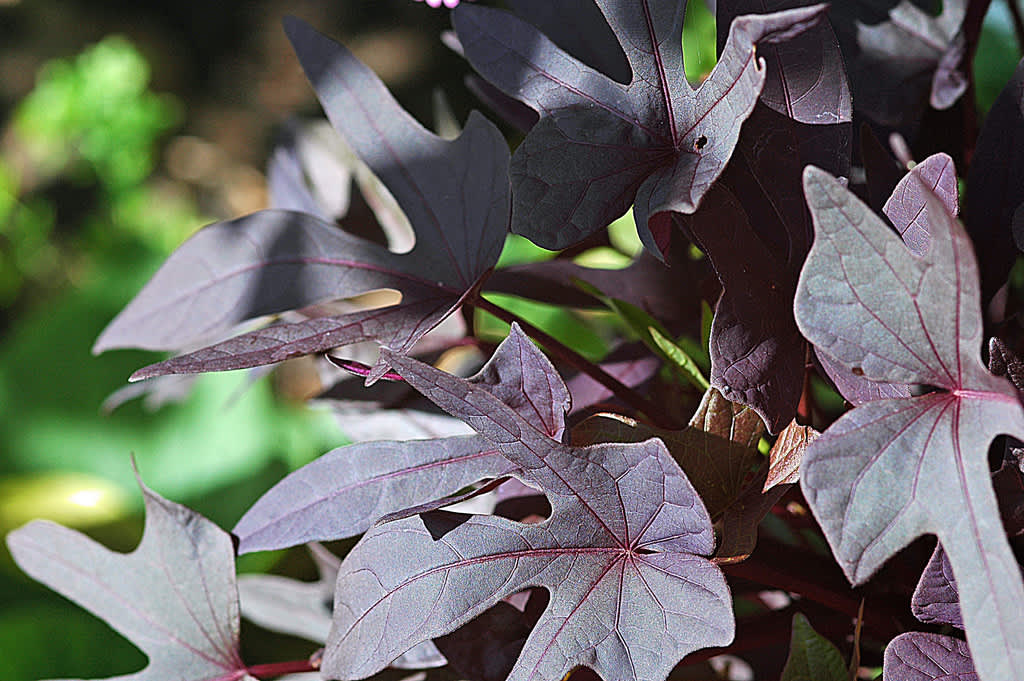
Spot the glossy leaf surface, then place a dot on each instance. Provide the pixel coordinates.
(894, 469)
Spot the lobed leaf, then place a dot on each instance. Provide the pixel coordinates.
(454, 194)
(601, 145)
(620, 555)
(347, 490)
(893, 469)
(174, 596)
(752, 223)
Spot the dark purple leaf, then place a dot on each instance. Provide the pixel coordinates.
(620, 555)
(347, 490)
(455, 195)
(928, 657)
(600, 144)
(996, 191)
(901, 58)
(936, 599)
(174, 596)
(891, 470)
(669, 294)
(753, 224)
(717, 451)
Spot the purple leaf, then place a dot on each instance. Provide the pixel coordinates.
(936, 598)
(753, 224)
(891, 470)
(303, 609)
(347, 490)
(601, 146)
(907, 209)
(630, 594)
(995, 188)
(669, 294)
(901, 59)
(174, 596)
(455, 195)
(928, 657)
(717, 450)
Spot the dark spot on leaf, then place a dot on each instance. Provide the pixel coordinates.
(857, 371)
(700, 143)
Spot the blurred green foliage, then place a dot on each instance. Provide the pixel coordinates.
(83, 224)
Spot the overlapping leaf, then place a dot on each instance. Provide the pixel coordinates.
(894, 469)
(344, 492)
(901, 57)
(455, 195)
(915, 656)
(174, 596)
(601, 145)
(907, 208)
(753, 224)
(630, 594)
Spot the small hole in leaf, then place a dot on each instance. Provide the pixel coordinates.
(857, 371)
(700, 143)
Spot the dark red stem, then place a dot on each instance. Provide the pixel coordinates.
(580, 363)
(261, 671)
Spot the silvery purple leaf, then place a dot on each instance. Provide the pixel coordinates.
(916, 656)
(347, 490)
(891, 470)
(907, 209)
(620, 555)
(601, 145)
(174, 596)
(455, 195)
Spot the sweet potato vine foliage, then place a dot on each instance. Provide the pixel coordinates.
(627, 520)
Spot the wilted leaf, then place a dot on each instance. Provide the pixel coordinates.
(630, 594)
(787, 453)
(455, 195)
(894, 469)
(600, 145)
(174, 596)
